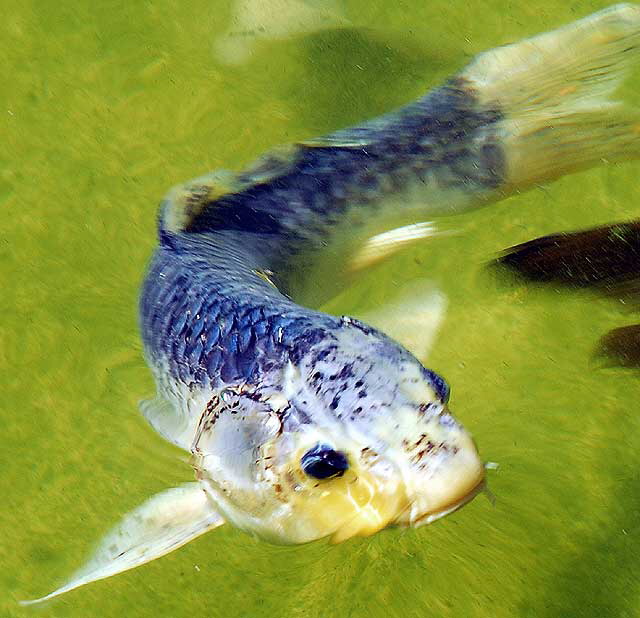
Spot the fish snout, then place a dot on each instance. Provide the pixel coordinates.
(444, 480)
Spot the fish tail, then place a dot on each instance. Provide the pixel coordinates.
(554, 93)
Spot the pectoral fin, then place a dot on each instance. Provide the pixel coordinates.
(165, 522)
(172, 425)
(381, 246)
(413, 318)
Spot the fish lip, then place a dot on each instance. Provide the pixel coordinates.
(431, 516)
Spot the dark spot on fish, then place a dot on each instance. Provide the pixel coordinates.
(322, 355)
(346, 371)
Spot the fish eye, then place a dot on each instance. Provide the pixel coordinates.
(322, 462)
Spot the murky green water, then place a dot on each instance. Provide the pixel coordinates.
(106, 105)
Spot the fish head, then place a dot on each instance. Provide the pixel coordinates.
(358, 438)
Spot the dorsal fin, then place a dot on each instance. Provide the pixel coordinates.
(277, 162)
(185, 202)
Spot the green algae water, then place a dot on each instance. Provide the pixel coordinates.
(104, 107)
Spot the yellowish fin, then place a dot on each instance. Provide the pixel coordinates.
(382, 246)
(173, 425)
(273, 164)
(554, 91)
(165, 522)
(413, 318)
(185, 202)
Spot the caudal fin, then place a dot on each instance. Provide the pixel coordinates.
(554, 92)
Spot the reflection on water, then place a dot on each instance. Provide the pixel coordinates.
(109, 108)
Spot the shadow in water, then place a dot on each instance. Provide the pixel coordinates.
(336, 78)
(360, 73)
(603, 579)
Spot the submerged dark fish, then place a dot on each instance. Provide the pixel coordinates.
(606, 258)
(304, 425)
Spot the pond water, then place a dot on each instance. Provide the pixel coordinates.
(105, 106)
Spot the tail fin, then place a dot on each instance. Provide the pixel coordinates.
(554, 92)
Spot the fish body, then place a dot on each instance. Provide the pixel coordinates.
(212, 322)
(303, 425)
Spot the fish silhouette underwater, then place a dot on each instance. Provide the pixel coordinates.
(604, 258)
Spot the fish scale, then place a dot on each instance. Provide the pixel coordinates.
(232, 330)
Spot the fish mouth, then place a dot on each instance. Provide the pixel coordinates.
(356, 527)
(430, 516)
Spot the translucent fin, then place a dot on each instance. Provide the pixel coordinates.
(231, 431)
(174, 427)
(382, 246)
(413, 319)
(278, 162)
(554, 90)
(254, 20)
(165, 522)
